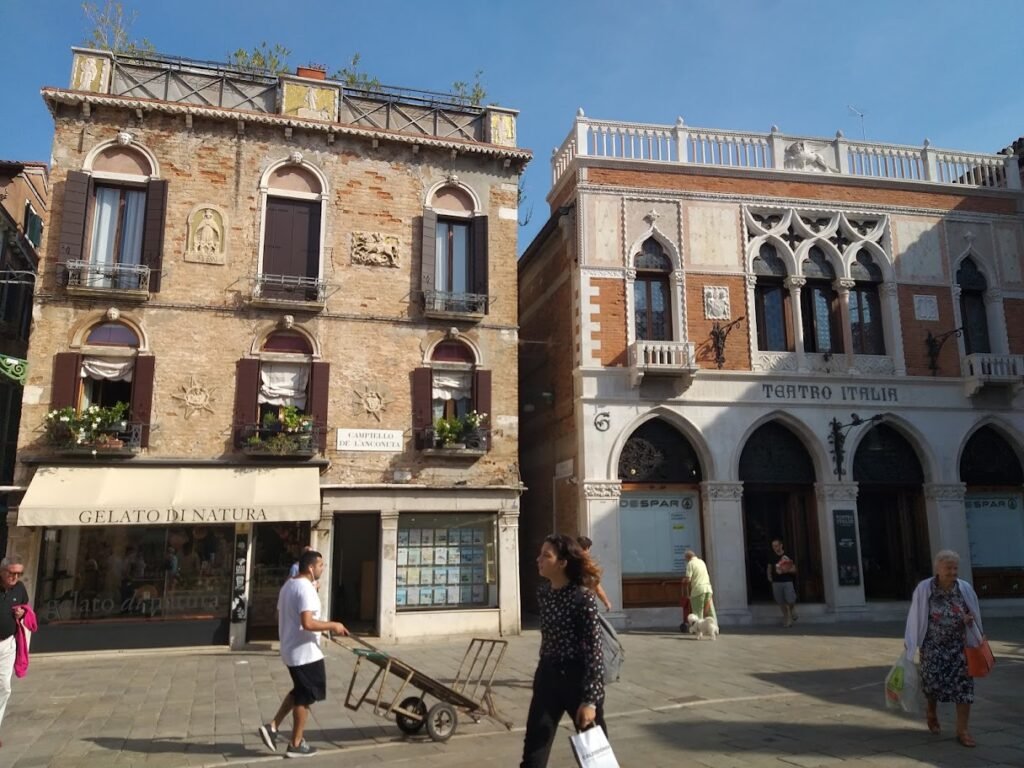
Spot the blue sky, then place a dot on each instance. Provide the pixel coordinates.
(947, 69)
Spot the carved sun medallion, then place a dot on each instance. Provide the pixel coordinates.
(195, 397)
(372, 400)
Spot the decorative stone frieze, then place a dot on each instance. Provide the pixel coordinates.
(716, 302)
(945, 491)
(375, 249)
(722, 491)
(602, 490)
(836, 491)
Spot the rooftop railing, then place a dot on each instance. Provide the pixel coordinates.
(683, 144)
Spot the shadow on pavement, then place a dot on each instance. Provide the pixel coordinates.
(173, 747)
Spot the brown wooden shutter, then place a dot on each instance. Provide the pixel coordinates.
(77, 188)
(478, 268)
(319, 387)
(142, 395)
(153, 234)
(422, 402)
(67, 372)
(482, 392)
(247, 387)
(428, 263)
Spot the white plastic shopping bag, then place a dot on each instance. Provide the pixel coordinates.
(903, 687)
(592, 750)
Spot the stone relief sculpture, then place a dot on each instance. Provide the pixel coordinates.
(716, 302)
(801, 157)
(88, 73)
(206, 235)
(311, 101)
(375, 249)
(503, 130)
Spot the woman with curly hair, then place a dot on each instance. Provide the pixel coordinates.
(570, 674)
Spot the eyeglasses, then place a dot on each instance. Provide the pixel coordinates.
(15, 574)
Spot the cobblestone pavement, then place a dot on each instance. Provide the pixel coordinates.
(759, 696)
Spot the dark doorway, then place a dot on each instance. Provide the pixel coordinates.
(891, 517)
(275, 547)
(355, 571)
(778, 503)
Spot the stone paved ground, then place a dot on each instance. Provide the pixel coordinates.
(759, 696)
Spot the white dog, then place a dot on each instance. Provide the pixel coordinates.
(706, 627)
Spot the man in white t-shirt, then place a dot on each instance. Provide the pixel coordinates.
(299, 627)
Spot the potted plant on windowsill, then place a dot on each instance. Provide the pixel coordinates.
(448, 432)
(95, 429)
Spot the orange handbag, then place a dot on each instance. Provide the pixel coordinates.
(979, 658)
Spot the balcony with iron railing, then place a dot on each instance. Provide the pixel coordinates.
(129, 282)
(837, 157)
(443, 304)
(673, 359)
(289, 292)
(472, 442)
(119, 440)
(993, 371)
(194, 86)
(275, 442)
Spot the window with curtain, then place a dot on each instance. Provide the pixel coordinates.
(117, 228)
(865, 307)
(453, 256)
(651, 295)
(771, 301)
(819, 304)
(973, 314)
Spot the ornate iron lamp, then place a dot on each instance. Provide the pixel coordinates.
(934, 344)
(719, 334)
(837, 437)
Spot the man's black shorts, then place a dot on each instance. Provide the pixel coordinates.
(310, 681)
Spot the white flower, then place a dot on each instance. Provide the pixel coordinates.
(65, 419)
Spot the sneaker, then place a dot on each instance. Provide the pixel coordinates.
(269, 736)
(303, 750)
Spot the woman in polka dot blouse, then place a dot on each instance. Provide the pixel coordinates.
(570, 675)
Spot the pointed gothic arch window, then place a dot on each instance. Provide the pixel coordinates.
(771, 301)
(658, 453)
(865, 306)
(973, 314)
(651, 295)
(820, 305)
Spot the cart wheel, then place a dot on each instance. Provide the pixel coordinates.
(441, 722)
(407, 724)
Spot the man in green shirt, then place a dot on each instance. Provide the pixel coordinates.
(698, 582)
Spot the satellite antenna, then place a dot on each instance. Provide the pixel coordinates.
(859, 114)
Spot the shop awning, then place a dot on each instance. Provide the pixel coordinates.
(90, 496)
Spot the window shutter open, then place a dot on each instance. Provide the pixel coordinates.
(66, 375)
(422, 402)
(428, 250)
(142, 395)
(247, 387)
(72, 224)
(153, 234)
(319, 386)
(478, 271)
(482, 392)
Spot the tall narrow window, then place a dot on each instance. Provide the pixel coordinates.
(453, 256)
(972, 307)
(865, 307)
(771, 301)
(290, 267)
(651, 296)
(117, 224)
(454, 275)
(820, 305)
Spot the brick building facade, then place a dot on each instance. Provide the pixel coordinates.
(268, 314)
(702, 316)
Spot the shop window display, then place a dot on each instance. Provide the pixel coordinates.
(446, 561)
(132, 572)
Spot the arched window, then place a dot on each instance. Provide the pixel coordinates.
(290, 268)
(454, 273)
(973, 314)
(108, 378)
(771, 301)
(657, 453)
(651, 295)
(819, 305)
(113, 224)
(865, 306)
(281, 398)
(452, 400)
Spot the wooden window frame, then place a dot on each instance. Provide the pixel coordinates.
(762, 286)
(647, 279)
(810, 317)
(859, 337)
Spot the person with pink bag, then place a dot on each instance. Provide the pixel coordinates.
(944, 620)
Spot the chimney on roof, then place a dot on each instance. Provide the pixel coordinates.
(312, 71)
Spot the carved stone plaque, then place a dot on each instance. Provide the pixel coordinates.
(302, 100)
(716, 302)
(375, 249)
(926, 307)
(207, 235)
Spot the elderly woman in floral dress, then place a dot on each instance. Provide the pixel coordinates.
(941, 610)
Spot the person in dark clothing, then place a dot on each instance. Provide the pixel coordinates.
(13, 598)
(570, 674)
(782, 575)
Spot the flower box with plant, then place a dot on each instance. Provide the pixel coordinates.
(95, 428)
(284, 432)
(467, 432)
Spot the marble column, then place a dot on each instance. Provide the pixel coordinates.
(947, 522)
(842, 288)
(508, 565)
(387, 585)
(843, 497)
(726, 556)
(602, 515)
(795, 285)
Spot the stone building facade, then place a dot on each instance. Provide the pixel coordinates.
(735, 337)
(271, 290)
